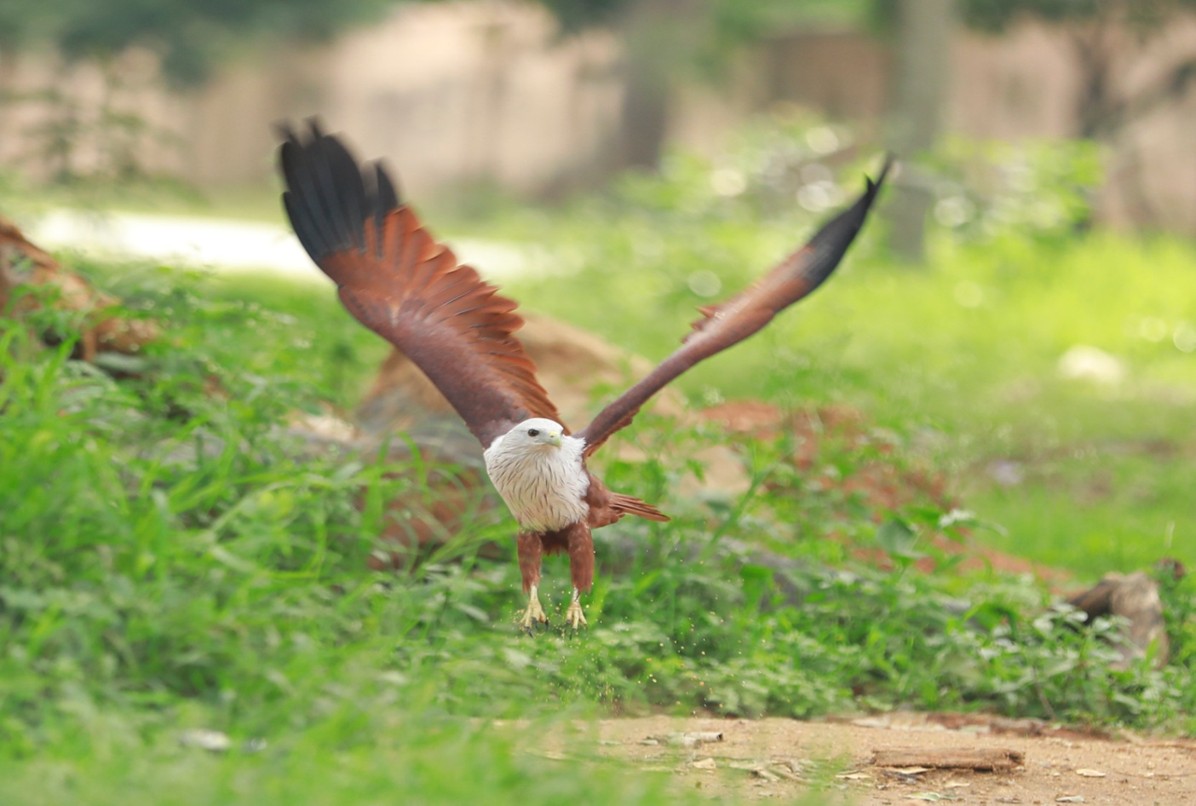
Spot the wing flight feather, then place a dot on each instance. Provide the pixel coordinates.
(399, 282)
(733, 320)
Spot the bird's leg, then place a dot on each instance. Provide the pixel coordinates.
(573, 615)
(531, 550)
(581, 568)
(534, 613)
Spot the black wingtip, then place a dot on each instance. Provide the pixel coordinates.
(848, 222)
(890, 161)
(832, 240)
(384, 187)
(872, 186)
(329, 195)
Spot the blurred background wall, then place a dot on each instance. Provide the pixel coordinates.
(491, 91)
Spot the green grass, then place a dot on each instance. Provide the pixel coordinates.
(356, 755)
(171, 559)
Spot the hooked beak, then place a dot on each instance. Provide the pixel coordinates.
(555, 438)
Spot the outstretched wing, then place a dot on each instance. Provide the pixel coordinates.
(734, 320)
(399, 282)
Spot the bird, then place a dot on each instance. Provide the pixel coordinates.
(399, 281)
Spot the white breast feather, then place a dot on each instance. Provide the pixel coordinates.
(544, 489)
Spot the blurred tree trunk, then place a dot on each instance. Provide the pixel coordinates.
(498, 52)
(924, 30)
(654, 36)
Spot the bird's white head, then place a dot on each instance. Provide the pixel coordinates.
(538, 432)
(540, 472)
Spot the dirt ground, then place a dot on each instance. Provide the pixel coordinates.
(786, 759)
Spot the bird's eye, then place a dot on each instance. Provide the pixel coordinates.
(533, 432)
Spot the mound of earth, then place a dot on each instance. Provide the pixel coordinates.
(26, 268)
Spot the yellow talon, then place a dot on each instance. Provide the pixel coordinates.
(534, 613)
(573, 615)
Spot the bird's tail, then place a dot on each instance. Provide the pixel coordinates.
(626, 504)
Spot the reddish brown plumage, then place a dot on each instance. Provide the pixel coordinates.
(23, 265)
(531, 548)
(448, 321)
(575, 539)
(607, 507)
(580, 544)
(398, 281)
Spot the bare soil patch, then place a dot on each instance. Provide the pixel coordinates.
(786, 759)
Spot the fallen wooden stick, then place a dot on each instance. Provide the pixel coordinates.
(997, 759)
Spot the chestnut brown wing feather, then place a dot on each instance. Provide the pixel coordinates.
(733, 320)
(409, 289)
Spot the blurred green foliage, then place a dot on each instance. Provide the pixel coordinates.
(997, 15)
(734, 20)
(1036, 189)
(191, 38)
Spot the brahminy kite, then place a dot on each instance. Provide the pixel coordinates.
(398, 281)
